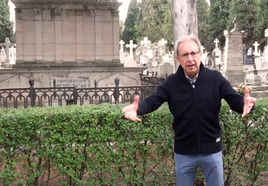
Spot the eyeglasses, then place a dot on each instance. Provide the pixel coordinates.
(186, 55)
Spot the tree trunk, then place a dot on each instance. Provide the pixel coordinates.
(184, 19)
(184, 22)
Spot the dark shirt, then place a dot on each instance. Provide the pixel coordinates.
(195, 109)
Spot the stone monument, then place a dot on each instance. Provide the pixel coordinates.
(218, 53)
(233, 62)
(130, 61)
(67, 39)
(7, 52)
(165, 69)
(257, 64)
(2, 57)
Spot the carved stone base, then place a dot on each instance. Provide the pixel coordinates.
(235, 77)
(8, 65)
(256, 81)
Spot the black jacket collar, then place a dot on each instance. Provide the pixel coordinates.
(180, 71)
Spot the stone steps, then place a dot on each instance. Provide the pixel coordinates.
(259, 91)
(259, 88)
(259, 94)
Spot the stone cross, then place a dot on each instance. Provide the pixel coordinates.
(162, 42)
(216, 41)
(161, 48)
(145, 45)
(214, 60)
(121, 45)
(145, 41)
(256, 48)
(131, 46)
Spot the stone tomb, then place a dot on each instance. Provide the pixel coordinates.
(66, 31)
(165, 69)
(233, 65)
(67, 39)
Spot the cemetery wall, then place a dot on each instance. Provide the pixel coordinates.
(15, 78)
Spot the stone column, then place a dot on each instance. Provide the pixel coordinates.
(79, 36)
(58, 35)
(226, 34)
(38, 35)
(115, 36)
(19, 38)
(98, 38)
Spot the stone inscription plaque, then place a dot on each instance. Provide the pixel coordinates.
(71, 82)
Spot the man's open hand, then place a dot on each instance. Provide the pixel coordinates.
(131, 110)
(248, 102)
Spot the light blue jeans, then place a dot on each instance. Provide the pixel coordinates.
(211, 166)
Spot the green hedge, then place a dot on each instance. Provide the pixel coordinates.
(96, 145)
(245, 145)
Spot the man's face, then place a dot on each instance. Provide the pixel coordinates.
(189, 57)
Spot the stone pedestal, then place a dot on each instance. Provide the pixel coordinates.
(130, 63)
(256, 80)
(258, 62)
(8, 66)
(104, 76)
(234, 77)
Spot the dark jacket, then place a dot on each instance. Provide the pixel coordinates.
(195, 109)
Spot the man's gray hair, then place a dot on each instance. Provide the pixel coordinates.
(187, 38)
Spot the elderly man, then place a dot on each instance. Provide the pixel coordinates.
(194, 96)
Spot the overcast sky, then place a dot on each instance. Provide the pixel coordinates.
(123, 8)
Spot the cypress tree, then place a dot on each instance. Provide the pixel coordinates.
(262, 22)
(218, 20)
(202, 9)
(6, 26)
(245, 14)
(129, 32)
